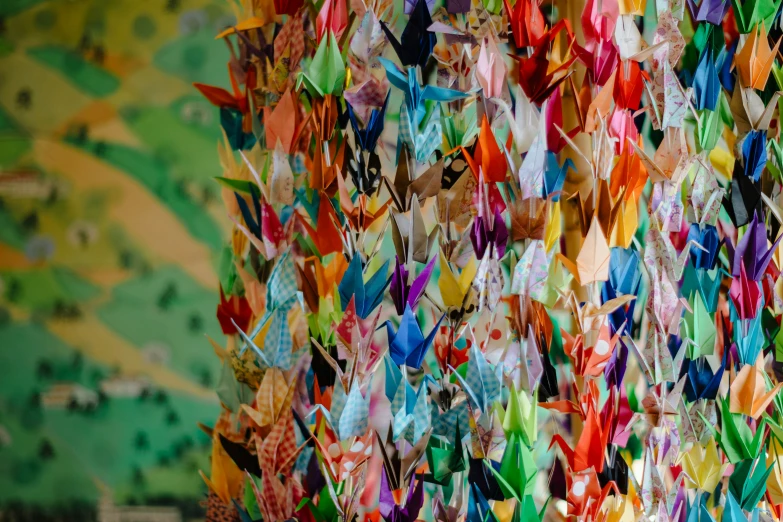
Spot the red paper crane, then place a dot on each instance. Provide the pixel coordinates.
(239, 100)
(235, 309)
(528, 24)
(535, 76)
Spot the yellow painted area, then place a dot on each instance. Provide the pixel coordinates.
(105, 277)
(60, 222)
(104, 123)
(161, 233)
(118, 17)
(97, 341)
(69, 26)
(165, 90)
(47, 111)
(109, 229)
(115, 131)
(94, 113)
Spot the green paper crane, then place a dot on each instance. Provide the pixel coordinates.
(709, 129)
(774, 145)
(326, 74)
(699, 330)
(735, 438)
(748, 482)
(517, 475)
(321, 324)
(521, 415)
(445, 459)
(525, 511)
(708, 34)
(754, 12)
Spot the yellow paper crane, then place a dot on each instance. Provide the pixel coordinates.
(454, 288)
(226, 480)
(775, 480)
(553, 227)
(618, 509)
(702, 465)
(632, 7)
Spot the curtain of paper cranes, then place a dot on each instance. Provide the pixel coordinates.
(500, 261)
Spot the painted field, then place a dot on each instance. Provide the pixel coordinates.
(110, 233)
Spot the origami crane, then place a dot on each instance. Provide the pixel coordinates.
(625, 335)
(367, 295)
(408, 345)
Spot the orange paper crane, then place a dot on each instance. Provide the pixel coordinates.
(628, 175)
(629, 85)
(592, 263)
(255, 292)
(324, 114)
(591, 348)
(319, 280)
(749, 394)
(590, 360)
(326, 235)
(328, 275)
(487, 160)
(582, 97)
(592, 322)
(601, 106)
(597, 221)
(278, 451)
(585, 496)
(755, 60)
(358, 215)
(284, 123)
(589, 449)
(276, 456)
(326, 164)
(339, 462)
(671, 161)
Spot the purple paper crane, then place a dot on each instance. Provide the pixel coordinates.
(404, 292)
(711, 11)
(392, 512)
(752, 251)
(486, 233)
(410, 6)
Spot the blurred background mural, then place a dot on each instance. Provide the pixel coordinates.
(110, 240)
